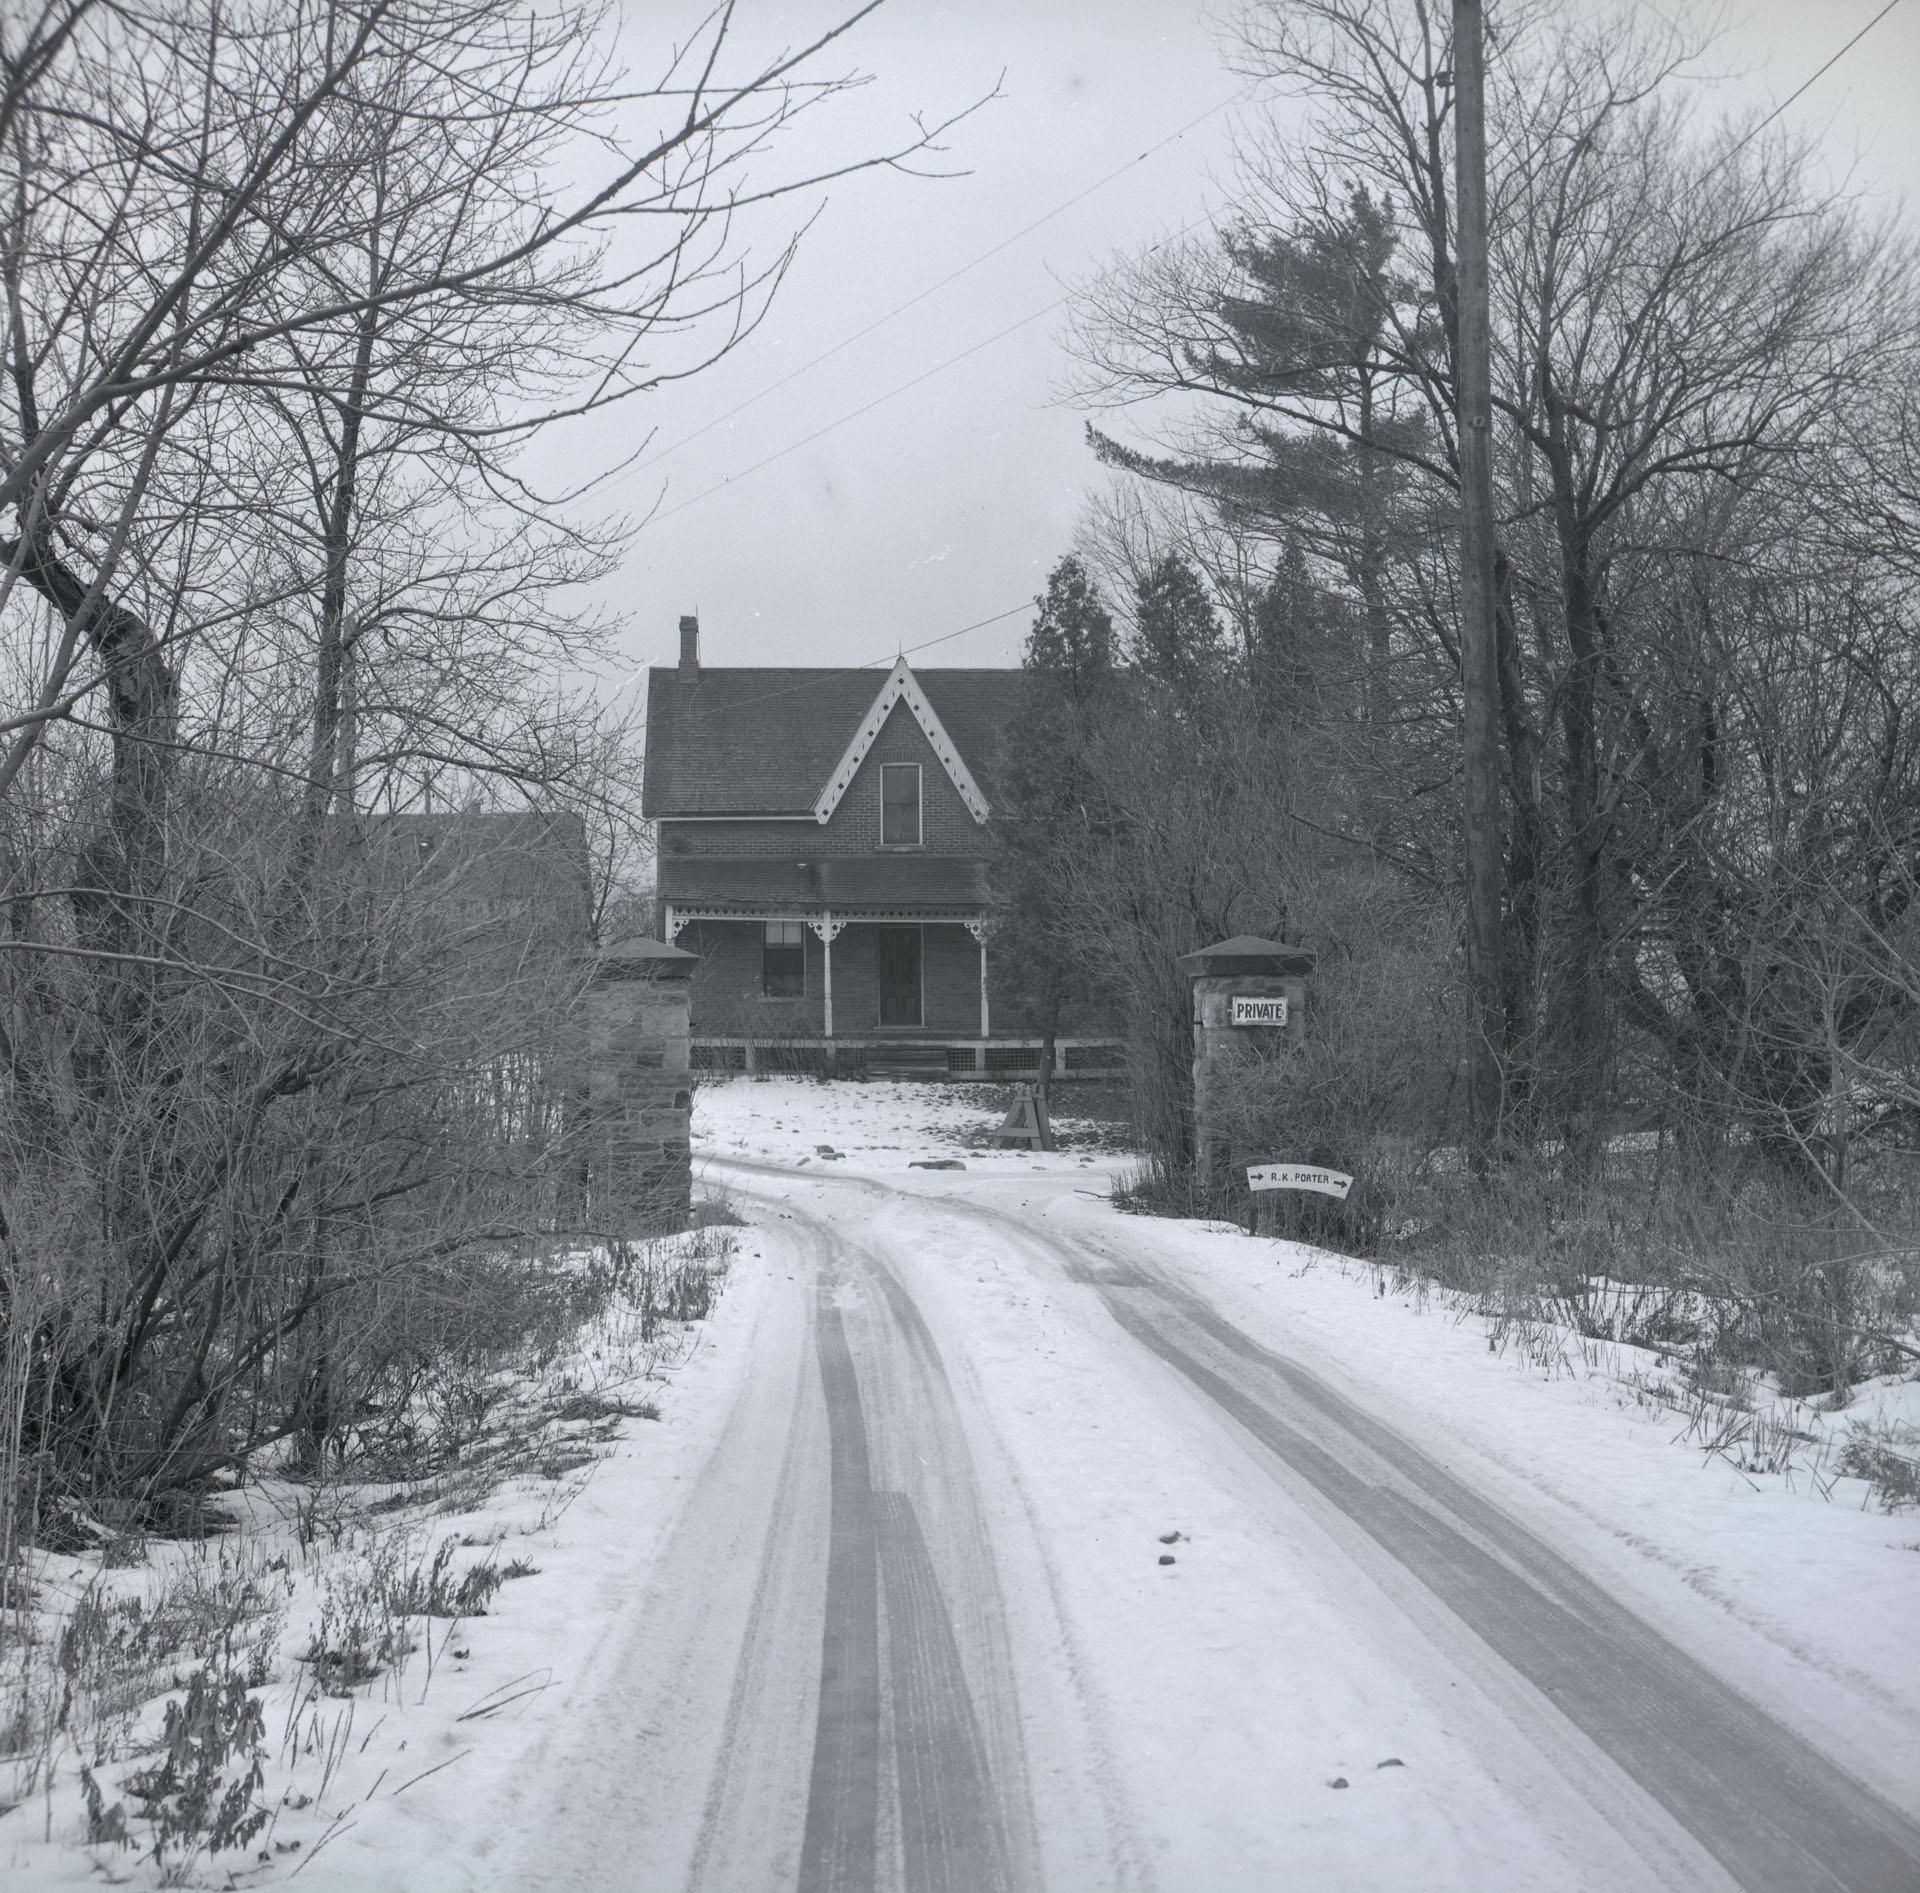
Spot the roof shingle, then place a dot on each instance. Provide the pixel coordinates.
(847, 884)
(755, 741)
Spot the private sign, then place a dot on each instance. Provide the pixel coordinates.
(1249, 1010)
(1299, 1176)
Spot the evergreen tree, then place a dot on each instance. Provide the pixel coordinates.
(1178, 641)
(1048, 790)
(1071, 642)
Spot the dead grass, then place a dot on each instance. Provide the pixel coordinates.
(145, 1671)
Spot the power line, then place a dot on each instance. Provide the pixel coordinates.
(816, 678)
(839, 421)
(1026, 321)
(880, 400)
(1805, 85)
(953, 276)
(1060, 302)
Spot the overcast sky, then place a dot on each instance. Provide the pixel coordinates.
(946, 503)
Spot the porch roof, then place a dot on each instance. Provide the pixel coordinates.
(891, 884)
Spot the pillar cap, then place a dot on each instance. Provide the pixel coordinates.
(643, 959)
(1246, 956)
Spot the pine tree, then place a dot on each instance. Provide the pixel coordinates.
(1049, 791)
(1178, 640)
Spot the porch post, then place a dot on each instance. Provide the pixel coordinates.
(826, 968)
(984, 1022)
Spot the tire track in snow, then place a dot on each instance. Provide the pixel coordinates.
(1774, 1812)
(1769, 1807)
(916, 1711)
(841, 1841)
(950, 1832)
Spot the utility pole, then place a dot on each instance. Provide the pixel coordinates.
(1479, 670)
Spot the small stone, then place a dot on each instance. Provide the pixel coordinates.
(1166, 1557)
(1339, 1781)
(1392, 1761)
(824, 1150)
(1169, 1537)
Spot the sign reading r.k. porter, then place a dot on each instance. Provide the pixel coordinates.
(1256, 1009)
(1299, 1176)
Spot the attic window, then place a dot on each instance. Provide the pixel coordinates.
(900, 805)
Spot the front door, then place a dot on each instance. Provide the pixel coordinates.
(899, 975)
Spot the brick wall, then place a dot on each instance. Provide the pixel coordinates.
(727, 983)
(1015, 1018)
(727, 997)
(950, 971)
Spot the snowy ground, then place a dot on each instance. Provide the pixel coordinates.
(883, 1128)
(1790, 1586)
(1029, 1480)
(388, 1783)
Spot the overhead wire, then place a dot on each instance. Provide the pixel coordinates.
(854, 414)
(815, 678)
(1805, 85)
(952, 276)
(1035, 316)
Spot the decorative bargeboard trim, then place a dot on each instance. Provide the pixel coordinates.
(678, 917)
(901, 685)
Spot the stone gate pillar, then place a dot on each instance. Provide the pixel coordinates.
(639, 1088)
(1249, 996)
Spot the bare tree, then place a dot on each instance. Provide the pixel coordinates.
(1688, 333)
(288, 294)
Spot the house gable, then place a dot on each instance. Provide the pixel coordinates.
(901, 687)
(756, 744)
(947, 824)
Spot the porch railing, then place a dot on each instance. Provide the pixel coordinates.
(988, 1060)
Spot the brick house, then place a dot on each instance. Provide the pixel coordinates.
(822, 844)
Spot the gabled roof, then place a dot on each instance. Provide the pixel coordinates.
(754, 741)
(901, 687)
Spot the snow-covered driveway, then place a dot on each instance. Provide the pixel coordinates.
(1018, 1563)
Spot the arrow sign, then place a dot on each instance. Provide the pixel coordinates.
(1299, 1176)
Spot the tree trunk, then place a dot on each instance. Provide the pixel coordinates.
(1525, 852)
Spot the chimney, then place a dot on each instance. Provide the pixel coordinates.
(689, 647)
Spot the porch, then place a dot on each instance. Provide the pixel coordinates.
(992, 1061)
(774, 974)
(905, 992)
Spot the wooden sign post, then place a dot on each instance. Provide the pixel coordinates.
(1026, 1123)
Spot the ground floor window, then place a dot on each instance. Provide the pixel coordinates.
(783, 960)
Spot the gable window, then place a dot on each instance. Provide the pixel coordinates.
(900, 805)
(783, 960)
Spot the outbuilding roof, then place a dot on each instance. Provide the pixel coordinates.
(753, 741)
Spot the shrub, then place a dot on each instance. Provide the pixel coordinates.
(1893, 1474)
